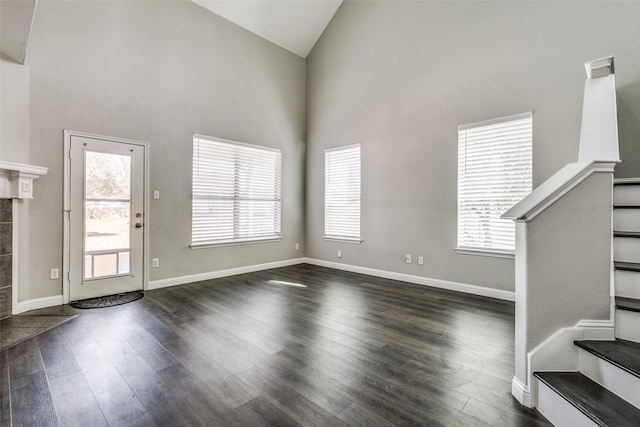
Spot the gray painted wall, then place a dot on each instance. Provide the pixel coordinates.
(558, 282)
(563, 290)
(398, 77)
(14, 112)
(159, 71)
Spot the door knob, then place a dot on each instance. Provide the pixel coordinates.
(138, 225)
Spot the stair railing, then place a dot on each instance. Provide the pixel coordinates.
(563, 258)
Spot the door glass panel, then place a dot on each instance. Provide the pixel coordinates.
(107, 215)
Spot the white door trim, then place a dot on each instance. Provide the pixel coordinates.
(66, 254)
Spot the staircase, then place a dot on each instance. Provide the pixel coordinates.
(606, 389)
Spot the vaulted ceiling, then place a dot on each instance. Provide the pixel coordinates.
(16, 17)
(294, 25)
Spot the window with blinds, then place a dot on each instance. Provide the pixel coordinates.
(236, 192)
(342, 193)
(494, 173)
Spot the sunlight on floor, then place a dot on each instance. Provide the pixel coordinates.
(281, 282)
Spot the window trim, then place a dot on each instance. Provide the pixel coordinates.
(485, 252)
(497, 121)
(240, 241)
(331, 237)
(472, 250)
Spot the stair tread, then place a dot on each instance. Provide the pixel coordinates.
(628, 266)
(590, 398)
(621, 353)
(626, 181)
(626, 206)
(635, 234)
(630, 304)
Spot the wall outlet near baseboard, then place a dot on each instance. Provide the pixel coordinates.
(297, 246)
(407, 259)
(339, 253)
(155, 262)
(420, 260)
(55, 273)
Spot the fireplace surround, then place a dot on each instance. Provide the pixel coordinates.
(16, 182)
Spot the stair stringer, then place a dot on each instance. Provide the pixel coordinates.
(558, 353)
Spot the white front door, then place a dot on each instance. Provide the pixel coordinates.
(106, 216)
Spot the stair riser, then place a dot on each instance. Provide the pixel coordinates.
(626, 249)
(627, 325)
(557, 410)
(626, 219)
(626, 195)
(627, 284)
(611, 377)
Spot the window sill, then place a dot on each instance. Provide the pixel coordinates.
(485, 252)
(342, 239)
(234, 243)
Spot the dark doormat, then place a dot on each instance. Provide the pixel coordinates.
(108, 301)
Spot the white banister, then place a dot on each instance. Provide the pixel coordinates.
(554, 188)
(599, 129)
(563, 254)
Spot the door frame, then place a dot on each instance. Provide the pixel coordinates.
(66, 250)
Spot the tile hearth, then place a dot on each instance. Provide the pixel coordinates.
(19, 328)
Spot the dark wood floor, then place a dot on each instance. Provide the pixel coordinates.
(346, 349)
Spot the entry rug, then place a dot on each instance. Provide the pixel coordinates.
(108, 301)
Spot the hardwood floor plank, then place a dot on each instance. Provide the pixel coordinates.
(199, 397)
(74, 401)
(259, 412)
(156, 356)
(296, 377)
(31, 402)
(57, 357)
(25, 359)
(5, 395)
(287, 400)
(161, 403)
(347, 349)
(117, 401)
(498, 416)
(358, 415)
(195, 360)
(232, 392)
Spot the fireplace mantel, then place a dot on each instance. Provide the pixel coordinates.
(16, 180)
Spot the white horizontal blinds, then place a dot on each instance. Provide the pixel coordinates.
(236, 192)
(342, 193)
(494, 173)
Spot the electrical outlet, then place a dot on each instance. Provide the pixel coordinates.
(297, 246)
(55, 273)
(156, 194)
(339, 253)
(421, 260)
(407, 259)
(155, 262)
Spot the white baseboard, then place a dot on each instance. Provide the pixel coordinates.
(34, 304)
(173, 281)
(521, 392)
(426, 281)
(419, 280)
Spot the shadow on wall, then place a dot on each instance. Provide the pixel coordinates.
(629, 130)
